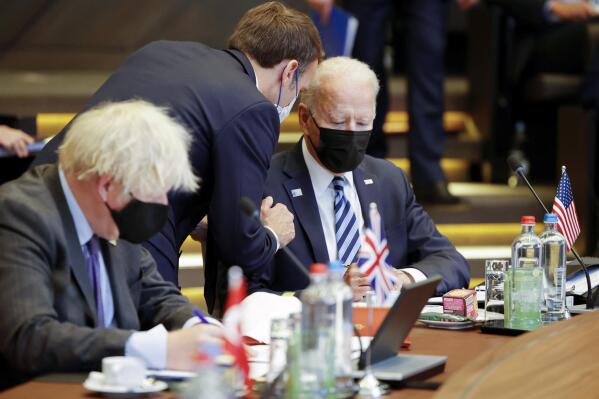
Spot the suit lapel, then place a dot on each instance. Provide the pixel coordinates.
(368, 191)
(123, 306)
(75, 259)
(304, 205)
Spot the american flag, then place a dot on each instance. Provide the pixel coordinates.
(232, 322)
(372, 258)
(564, 208)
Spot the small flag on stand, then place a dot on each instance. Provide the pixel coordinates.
(564, 208)
(232, 323)
(372, 258)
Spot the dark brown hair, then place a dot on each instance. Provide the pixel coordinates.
(272, 32)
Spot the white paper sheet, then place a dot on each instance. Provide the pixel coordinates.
(260, 308)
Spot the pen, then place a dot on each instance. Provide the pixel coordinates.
(200, 315)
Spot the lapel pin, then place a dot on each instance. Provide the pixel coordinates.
(368, 181)
(296, 192)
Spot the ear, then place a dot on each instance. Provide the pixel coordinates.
(289, 72)
(308, 126)
(304, 117)
(104, 185)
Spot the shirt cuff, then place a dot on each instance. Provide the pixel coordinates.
(416, 274)
(149, 346)
(549, 17)
(275, 236)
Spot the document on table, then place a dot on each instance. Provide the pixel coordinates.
(260, 308)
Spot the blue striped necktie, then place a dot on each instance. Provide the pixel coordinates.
(346, 225)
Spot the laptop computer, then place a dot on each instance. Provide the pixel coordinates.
(387, 364)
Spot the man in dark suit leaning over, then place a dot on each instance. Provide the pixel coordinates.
(328, 184)
(232, 102)
(72, 289)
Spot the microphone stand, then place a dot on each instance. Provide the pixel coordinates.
(574, 252)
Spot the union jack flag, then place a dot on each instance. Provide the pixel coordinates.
(372, 258)
(564, 208)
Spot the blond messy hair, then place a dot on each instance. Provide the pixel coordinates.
(135, 142)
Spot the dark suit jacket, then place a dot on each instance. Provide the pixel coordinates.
(46, 299)
(413, 239)
(235, 130)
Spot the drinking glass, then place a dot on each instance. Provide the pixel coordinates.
(495, 274)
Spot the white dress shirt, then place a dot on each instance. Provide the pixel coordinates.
(325, 198)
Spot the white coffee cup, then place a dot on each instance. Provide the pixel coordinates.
(123, 371)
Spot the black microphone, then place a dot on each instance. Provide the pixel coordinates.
(515, 164)
(249, 208)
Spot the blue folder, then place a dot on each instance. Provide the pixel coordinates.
(339, 34)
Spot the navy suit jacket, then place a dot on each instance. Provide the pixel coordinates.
(235, 130)
(413, 239)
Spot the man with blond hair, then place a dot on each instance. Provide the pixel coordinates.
(232, 101)
(72, 291)
(328, 183)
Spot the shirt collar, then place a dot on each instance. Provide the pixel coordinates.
(321, 177)
(84, 230)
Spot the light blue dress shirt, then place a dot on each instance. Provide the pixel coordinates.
(149, 346)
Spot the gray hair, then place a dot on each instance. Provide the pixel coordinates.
(338, 68)
(136, 142)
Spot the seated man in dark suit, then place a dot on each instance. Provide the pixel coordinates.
(74, 286)
(328, 184)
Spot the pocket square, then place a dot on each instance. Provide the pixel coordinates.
(296, 192)
(368, 181)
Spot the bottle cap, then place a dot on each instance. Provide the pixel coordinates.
(319, 268)
(550, 218)
(528, 220)
(336, 266)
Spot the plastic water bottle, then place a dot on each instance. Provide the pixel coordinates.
(527, 278)
(210, 381)
(554, 267)
(343, 330)
(318, 338)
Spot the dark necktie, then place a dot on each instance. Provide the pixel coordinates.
(93, 268)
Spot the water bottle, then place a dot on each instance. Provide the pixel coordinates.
(294, 357)
(554, 267)
(344, 384)
(318, 338)
(527, 278)
(210, 381)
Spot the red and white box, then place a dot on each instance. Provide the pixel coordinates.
(461, 302)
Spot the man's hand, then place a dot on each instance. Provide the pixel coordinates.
(15, 140)
(402, 278)
(200, 233)
(279, 219)
(466, 4)
(579, 11)
(183, 344)
(323, 8)
(357, 281)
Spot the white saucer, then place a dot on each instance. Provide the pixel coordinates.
(95, 383)
(449, 325)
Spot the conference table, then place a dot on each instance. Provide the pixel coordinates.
(461, 347)
(558, 361)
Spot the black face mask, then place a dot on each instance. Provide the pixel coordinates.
(342, 150)
(138, 221)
